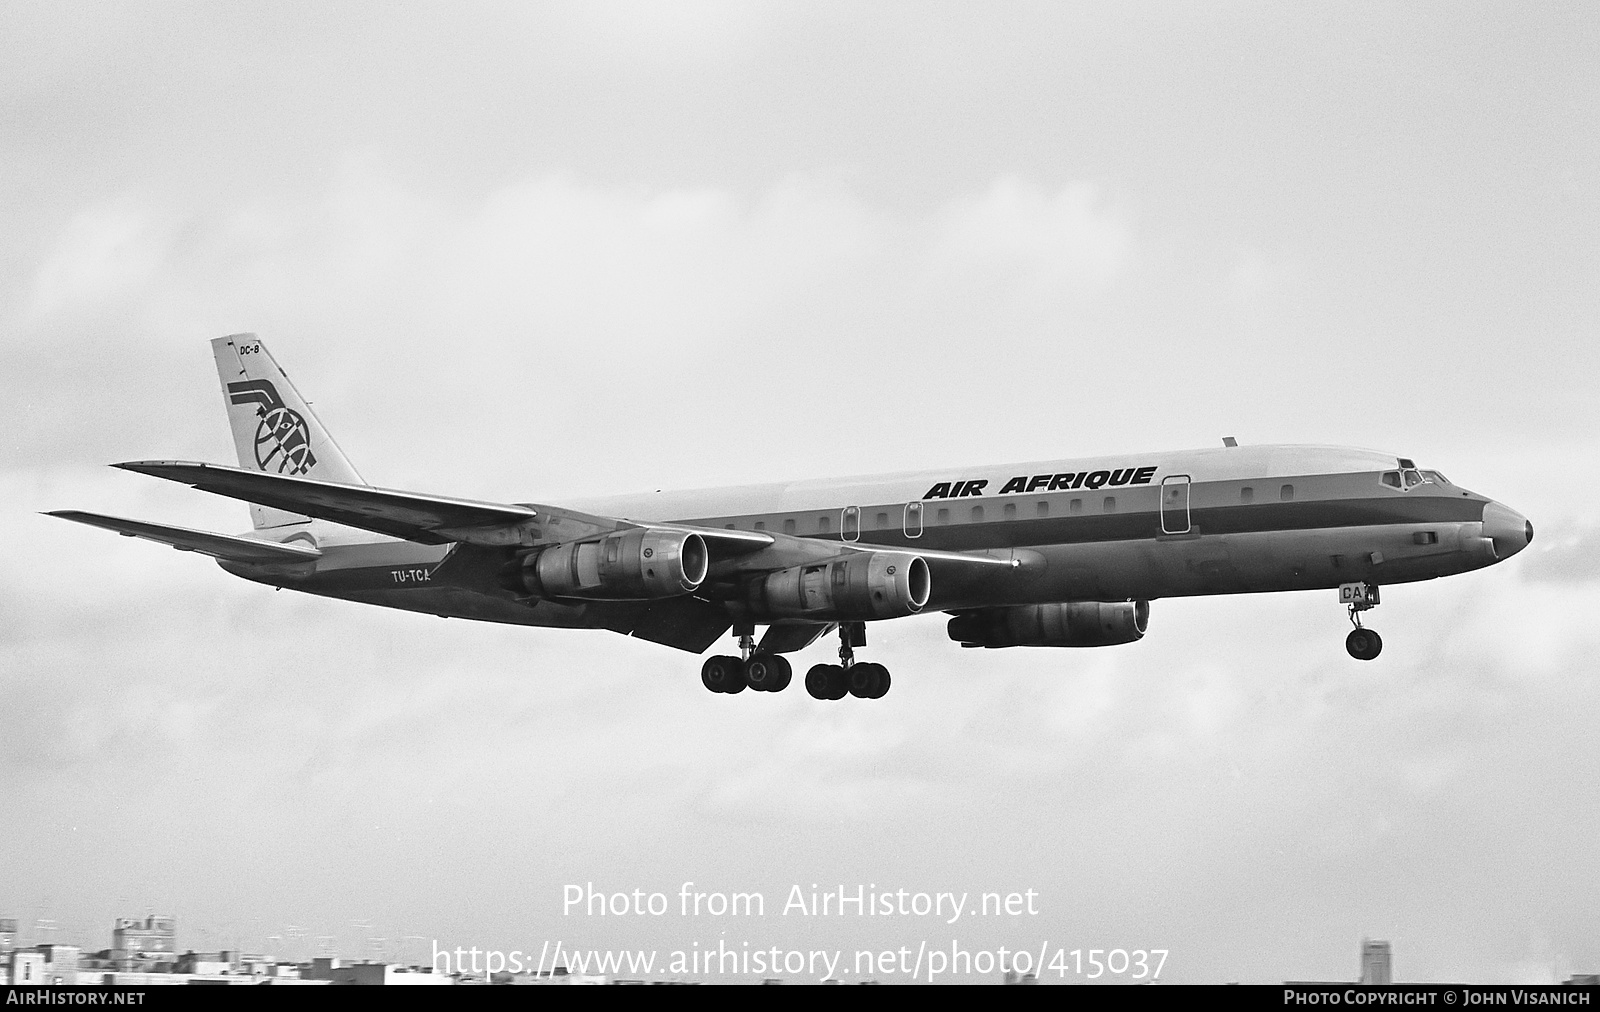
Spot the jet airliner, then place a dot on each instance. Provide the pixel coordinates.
(1063, 553)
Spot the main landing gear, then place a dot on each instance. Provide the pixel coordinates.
(752, 669)
(835, 681)
(765, 672)
(1364, 644)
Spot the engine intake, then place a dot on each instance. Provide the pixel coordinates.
(856, 588)
(1066, 624)
(635, 565)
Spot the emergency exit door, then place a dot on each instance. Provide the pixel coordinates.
(1175, 504)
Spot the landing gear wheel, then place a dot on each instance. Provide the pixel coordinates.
(817, 681)
(785, 673)
(723, 674)
(868, 680)
(827, 681)
(767, 672)
(1363, 644)
(838, 682)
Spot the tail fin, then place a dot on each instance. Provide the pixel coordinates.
(274, 429)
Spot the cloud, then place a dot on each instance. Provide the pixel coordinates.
(104, 251)
(1068, 242)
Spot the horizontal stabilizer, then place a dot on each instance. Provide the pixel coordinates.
(431, 520)
(219, 546)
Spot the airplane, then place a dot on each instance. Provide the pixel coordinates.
(1064, 553)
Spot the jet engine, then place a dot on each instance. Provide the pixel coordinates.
(1066, 624)
(635, 565)
(855, 588)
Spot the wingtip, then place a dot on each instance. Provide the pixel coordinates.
(148, 466)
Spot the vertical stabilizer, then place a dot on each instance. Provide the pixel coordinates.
(274, 429)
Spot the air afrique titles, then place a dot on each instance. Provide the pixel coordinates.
(1045, 482)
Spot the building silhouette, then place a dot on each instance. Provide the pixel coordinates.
(1377, 962)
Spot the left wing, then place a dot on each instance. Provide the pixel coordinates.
(218, 546)
(431, 520)
(428, 519)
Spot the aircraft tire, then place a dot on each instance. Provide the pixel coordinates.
(866, 680)
(883, 687)
(1363, 644)
(838, 682)
(723, 674)
(784, 673)
(764, 671)
(817, 681)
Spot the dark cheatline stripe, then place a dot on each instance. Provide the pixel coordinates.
(1139, 525)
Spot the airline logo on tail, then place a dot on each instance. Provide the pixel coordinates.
(283, 440)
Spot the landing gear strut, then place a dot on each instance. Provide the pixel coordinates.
(835, 681)
(754, 669)
(1364, 644)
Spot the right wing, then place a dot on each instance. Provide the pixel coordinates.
(218, 546)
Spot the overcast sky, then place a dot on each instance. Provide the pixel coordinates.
(524, 251)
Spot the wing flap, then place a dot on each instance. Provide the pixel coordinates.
(430, 520)
(218, 546)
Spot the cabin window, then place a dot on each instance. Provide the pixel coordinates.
(1425, 538)
(1076, 506)
(1286, 493)
(727, 527)
(1247, 494)
(761, 525)
(977, 514)
(1110, 505)
(883, 521)
(788, 526)
(1010, 511)
(1391, 479)
(1043, 508)
(942, 517)
(824, 523)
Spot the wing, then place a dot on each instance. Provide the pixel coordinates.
(428, 519)
(218, 546)
(431, 520)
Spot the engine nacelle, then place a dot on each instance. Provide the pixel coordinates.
(636, 565)
(855, 588)
(1067, 624)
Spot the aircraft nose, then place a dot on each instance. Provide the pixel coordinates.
(1510, 531)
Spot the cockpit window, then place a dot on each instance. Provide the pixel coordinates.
(1436, 477)
(1408, 479)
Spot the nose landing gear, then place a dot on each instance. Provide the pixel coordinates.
(1362, 643)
